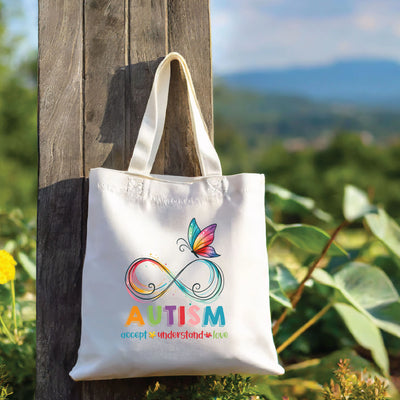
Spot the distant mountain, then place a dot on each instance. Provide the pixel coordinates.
(367, 82)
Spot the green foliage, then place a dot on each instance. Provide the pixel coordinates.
(364, 296)
(18, 149)
(386, 229)
(232, 387)
(18, 237)
(18, 350)
(4, 390)
(306, 379)
(308, 238)
(318, 174)
(281, 281)
(356, 204)
(291, 203)
(20, 360)
(349, 385)
(365, 332)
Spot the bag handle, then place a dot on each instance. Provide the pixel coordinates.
(152, 126)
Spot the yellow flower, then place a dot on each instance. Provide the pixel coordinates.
(7, 267)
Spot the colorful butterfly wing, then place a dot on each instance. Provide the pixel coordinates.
(193, 232)
(207, 251)
(201, 245)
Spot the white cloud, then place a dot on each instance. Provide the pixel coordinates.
(367, 22)
(396, 29)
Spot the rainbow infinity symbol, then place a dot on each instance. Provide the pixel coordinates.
(145, 283)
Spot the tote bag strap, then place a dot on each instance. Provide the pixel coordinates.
(152, 126)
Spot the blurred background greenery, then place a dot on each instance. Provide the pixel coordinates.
(18, 105)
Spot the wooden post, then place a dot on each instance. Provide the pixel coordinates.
(97, 60)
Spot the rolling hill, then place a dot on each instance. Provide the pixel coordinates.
(273, 116)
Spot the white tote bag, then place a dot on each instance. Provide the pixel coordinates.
(175, 278)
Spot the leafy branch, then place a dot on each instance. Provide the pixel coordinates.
(296, 296)
(363, 295)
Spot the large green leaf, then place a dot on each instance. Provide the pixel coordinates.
(366, 333)
(356, 203)
(309, 238)
(336, 263)
(369, 290)
(390, 265)
(281, 281)
(365, 285)
(294, 203)
(324, 277)
(387, 317)
(277, 294)
(385, 229)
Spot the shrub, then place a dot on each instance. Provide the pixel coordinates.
(350, 385)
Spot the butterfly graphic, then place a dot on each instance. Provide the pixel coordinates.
(199, 241)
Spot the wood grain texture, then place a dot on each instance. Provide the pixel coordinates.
(97, 60)
(106, 39)
(189, 35)
(60, 215)
(145, 45)
(105, 83)
(60, 90)
(148, 44)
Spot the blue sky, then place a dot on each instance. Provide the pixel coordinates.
(257, 34)
(22, 19)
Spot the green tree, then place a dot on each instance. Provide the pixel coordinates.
(18, 143)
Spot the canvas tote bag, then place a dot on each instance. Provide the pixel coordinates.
(175, 277)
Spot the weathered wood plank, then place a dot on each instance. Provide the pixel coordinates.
(104, 89)
(147, 46)
(133, 35)
(59, 247)
(105, 47)
(60, 90)
(188, 34)
(145, 42)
